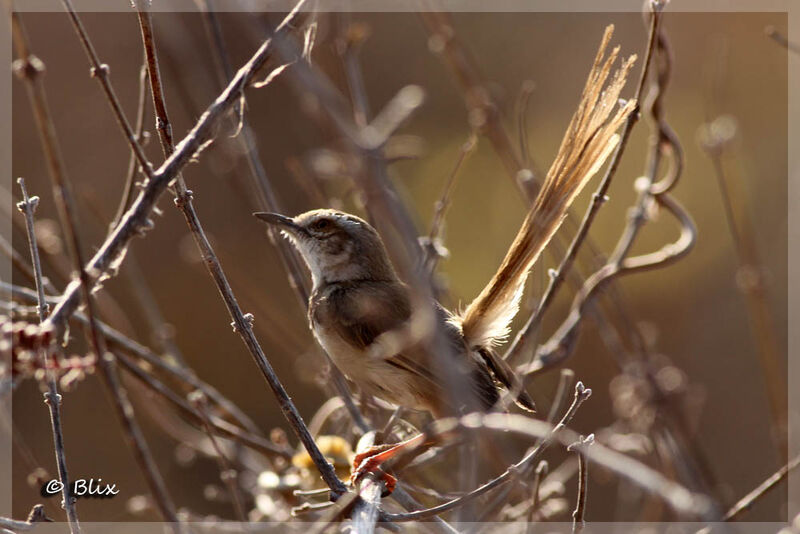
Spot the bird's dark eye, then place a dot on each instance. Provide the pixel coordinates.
(321, 224)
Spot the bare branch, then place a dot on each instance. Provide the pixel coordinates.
(130, 179)
(52, 397)
(137, 215)
(747, 502)
(229, 475)
(68, 215)
(268, 200)
(242, 323)
(250, 438)
(581, 394)
(36, 515)
(525, 334)
(578, 522)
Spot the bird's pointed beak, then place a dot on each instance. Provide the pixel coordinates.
(280, 222)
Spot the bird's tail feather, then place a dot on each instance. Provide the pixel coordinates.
(590, 138)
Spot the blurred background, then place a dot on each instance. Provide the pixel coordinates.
(693, 313)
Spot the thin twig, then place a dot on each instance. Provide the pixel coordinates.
(581, 394)
(229, 475)
(578, 522)
(130, 178)
(522, 123)
(750, 276)
(522, 338)
(292, 263)
(432, 251)
(52, 397)
(20, 263)
(675, 495)
(101, 71)
(118, 341)
(135, 220)
(242, 323)
(781, 39)
(265, 197)
(217, 425)
(747, 502)
(68, 215)
(541, 472)
(36, 515)
(484, 113)
(565, 385)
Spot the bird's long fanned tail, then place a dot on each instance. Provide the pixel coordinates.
(589, 140)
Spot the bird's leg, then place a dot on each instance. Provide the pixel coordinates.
(370, 460)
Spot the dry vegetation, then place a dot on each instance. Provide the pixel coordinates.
(272, 476)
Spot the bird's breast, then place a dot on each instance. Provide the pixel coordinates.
(376, 376)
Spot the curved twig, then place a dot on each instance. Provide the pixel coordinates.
(676, 496)
(524, 336)
(443, 426)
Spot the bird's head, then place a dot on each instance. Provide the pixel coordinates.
(336, 246)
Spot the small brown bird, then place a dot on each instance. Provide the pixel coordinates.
(357, 297)
(358, 300)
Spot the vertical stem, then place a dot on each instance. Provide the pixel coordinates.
(578, 523)
(242, 323)
(52, 397)
(68, 215)
(523, 337)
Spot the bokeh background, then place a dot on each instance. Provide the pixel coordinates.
(693, 312)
